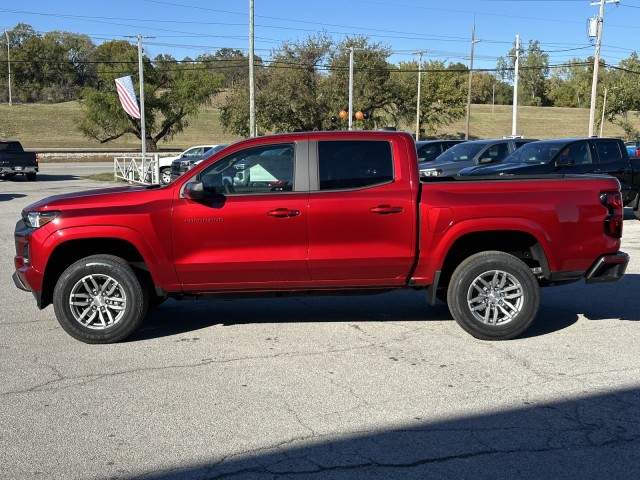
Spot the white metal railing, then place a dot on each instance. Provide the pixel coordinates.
(137, 170)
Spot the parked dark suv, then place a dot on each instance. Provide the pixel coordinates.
(571, 155)
(469, 154)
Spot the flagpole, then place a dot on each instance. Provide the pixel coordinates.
(143, 133)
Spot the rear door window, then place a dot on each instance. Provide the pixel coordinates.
(608, 151)
(354, 164)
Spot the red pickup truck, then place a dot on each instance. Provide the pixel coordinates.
(318, 213)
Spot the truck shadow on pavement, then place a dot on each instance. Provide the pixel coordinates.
(560, 308)
(6, 197)
(593, 436)
(43, 177)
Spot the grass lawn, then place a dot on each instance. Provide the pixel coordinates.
(53, 126)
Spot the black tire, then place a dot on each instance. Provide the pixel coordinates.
(31, 176)
(165, 175)
(99, 299)
(493, 296)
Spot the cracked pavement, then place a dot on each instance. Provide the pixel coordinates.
(369, 387)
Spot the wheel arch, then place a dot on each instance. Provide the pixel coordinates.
(522, 245)
(71, 251)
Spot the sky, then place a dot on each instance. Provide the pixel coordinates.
(440, 29)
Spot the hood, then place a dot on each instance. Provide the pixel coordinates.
(510, 168)
(100, 196)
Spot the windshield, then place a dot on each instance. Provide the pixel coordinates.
(461, 152)
(535, 153)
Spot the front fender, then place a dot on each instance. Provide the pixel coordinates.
(156, 254)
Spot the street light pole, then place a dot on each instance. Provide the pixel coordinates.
(516, 75)
(252, 77)
(351, 88)
(418, 102)
(468, 120)
(8, 63)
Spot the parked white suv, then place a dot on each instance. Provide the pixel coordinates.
(165, 162)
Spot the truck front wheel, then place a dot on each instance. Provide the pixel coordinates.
(99, 299)
(165, 175)
(493, 296)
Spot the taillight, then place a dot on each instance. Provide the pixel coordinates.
(37, 159)
(614, 219)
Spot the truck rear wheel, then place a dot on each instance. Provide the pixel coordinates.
(493, 296)
(31, 176)
(99, 299)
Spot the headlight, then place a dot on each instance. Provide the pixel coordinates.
(430, 173)
(39, 219)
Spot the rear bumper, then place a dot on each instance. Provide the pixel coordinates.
(13, 170)
(608, 268)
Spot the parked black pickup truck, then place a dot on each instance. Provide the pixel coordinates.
(14, 160)
(573, 155)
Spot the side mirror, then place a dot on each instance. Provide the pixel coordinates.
(193, 191)
(485, 160)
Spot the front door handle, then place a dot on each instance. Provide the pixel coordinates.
(283, 213)
(386, 209)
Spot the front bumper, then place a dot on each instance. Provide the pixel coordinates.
(21, 284)
(608, 268)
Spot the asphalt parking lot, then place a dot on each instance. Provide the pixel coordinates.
(376, 387)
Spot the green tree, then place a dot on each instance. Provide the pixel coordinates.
(377, 90)
(292, 98)
(623, 95)
(570, 84)
(48, 68)
(174, 92)
(533, 69)
(443, 93)
(307, 83)
(288, 91)
(483, 86)
(231, 64)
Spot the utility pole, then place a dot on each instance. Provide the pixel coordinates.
(514, 119)
(473, 42)
(421, 52)
(8, 63)
(596, 62)
(252, 80)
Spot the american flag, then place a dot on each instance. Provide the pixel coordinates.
(127, 95)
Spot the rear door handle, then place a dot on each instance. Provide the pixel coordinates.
(386, 209)
(283, 213)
